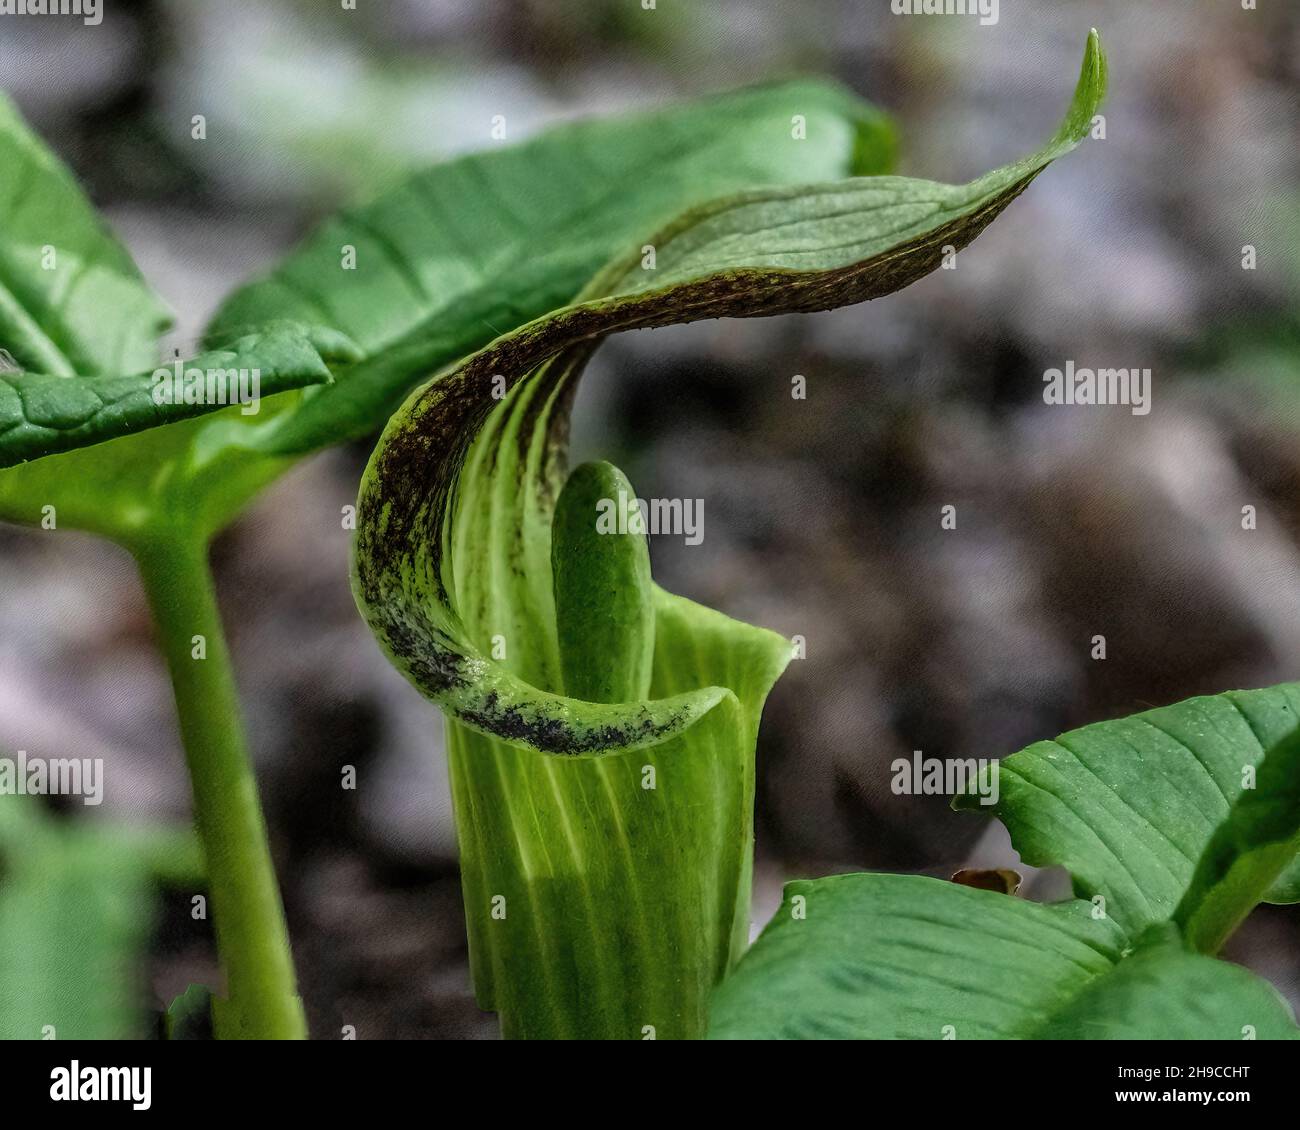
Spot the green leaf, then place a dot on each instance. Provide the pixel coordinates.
(447, 259)
(1249, 850)
(188, 479)
(458, 254)
(1130, 808)
(1286, 888)
(1165, 992)
(903, 957)
(907, 957)
(43, 414)
(452, 570)
(71, 299)
(76, 910)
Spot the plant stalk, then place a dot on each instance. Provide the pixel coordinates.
(252, 938)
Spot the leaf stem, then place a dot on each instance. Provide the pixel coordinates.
(252, 939)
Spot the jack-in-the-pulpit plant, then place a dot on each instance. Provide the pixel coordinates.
(379, 298)
(604, 803)
(601, 730)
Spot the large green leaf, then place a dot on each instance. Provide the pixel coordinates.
(1169, 858)
(76, 909)
(452, 564)
(78, 320)
(454, 256)
(82, 327)
(1164, 991)
(1248, 853)
(446, 259)
(1130, 807)
(71, 299)
(1286, 887)
(907, 957)
(43, 414)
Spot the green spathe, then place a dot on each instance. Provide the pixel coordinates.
(606, 847)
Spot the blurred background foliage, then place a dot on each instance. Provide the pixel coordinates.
(821, 516)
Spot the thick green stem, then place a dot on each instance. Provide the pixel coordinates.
(252, 939)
